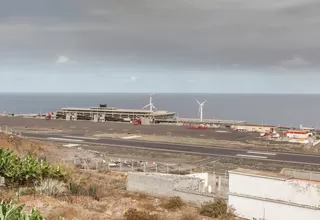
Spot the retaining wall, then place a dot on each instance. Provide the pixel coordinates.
(167, 185)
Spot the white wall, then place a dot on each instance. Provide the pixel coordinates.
(290, 135)
(252, 208)
(274, 191)
(208, 179)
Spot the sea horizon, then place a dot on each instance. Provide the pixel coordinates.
(276, 109)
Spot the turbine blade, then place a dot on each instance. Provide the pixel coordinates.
(146, 106)
(204, 102)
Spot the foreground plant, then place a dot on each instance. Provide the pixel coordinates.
(13, 211)
(27, 170)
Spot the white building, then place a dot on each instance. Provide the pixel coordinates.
(271, 196)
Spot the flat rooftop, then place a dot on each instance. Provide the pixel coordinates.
(258, 173)
(204, 121)
(299, 175)
(114, 109)
(164, 176)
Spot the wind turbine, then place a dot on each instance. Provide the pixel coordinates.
(201, 109)
(150, 105)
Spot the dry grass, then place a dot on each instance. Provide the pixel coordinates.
(134, 214)
(7, 195)
(174, 203)
(188, 215)
(24, 147)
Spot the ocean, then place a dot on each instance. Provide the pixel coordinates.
(284, 110)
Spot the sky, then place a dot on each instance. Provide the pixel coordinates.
(211, 46)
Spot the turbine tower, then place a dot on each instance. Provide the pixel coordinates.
(150, 105)
(201, 109)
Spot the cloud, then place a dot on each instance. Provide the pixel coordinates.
(133, 78)
(65, 60)
(295, 60)
(62, 59)
(167, 34)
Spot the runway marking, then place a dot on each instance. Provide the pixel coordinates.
(250, 156)
(86, 138)
(206, 154)
(223, 131)
(131, 137)
(71, 145)
(262, 153)
(64, 139)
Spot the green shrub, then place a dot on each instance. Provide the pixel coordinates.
(134, 214)
(174, 203)
(216, 209)
(13, 211)
(27, 170)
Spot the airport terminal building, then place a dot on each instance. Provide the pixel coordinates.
(104, 113)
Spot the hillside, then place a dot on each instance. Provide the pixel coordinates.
(88, 194)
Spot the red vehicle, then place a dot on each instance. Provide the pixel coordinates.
(136, 121)
(48, 116)
(197, 127)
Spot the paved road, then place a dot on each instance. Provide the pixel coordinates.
(192, 149)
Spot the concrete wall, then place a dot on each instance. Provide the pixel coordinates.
(266, 210)
(213, 183)
(208, 179)
(276, 198)
(168, 185)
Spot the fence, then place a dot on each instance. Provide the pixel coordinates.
(301, 174)
(7, 130)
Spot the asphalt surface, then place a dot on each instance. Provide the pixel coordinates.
(191, 149)
(82, 127)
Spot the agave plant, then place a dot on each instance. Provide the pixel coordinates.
(13, 211)
(34, 215)
(10, 211)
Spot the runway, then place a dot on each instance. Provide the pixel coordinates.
(183, 148)
(82, 127)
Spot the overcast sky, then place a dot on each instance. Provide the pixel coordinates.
(220, 46)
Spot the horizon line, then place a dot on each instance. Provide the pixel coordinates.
(214, 93)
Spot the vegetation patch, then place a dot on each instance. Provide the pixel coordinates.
(174, 203)
(12, 211)
(134, 214)
(216, 209)
(27, 170)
